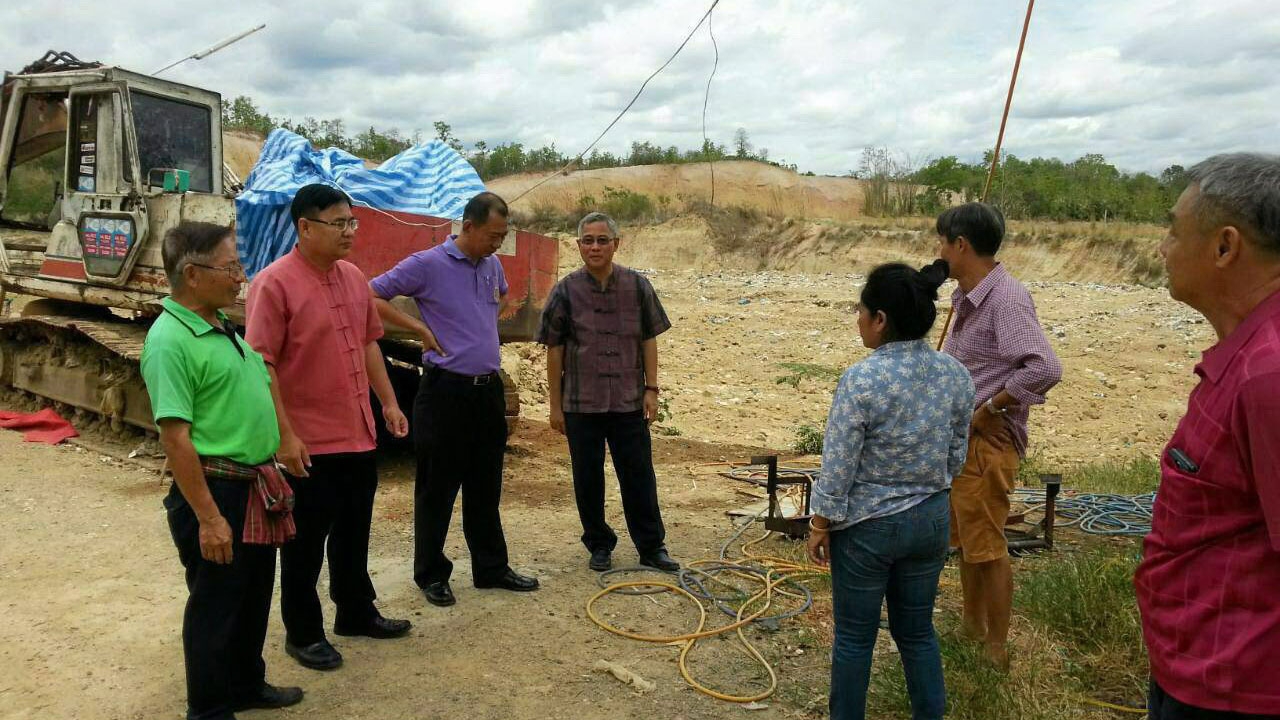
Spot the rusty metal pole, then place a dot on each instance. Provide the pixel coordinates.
(995, 156)
(1008, 102)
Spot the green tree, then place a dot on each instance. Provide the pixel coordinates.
(741, 144)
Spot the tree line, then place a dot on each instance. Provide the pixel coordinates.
(1088, 188)
(489, 161)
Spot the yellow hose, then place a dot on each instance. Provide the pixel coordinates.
(778, 572)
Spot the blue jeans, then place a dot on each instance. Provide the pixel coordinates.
(898, 557)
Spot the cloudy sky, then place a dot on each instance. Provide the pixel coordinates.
(1147, 83)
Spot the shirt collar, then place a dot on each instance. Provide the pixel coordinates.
(451, 247)
(902, 346)
(296, 256)
(1215, 360)
(193, 322)
(980, 291)
(612, 281)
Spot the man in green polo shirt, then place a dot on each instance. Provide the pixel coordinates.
(211, 397)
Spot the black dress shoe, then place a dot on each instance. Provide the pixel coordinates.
(377, 627)
(510, 581)
(439, 594)
(317, 656)
(601, 560)
(660, 560)
(270, 697)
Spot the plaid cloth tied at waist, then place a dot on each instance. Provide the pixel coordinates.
(268, 517)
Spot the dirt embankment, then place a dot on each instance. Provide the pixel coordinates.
(1127, 350)
(760, 186)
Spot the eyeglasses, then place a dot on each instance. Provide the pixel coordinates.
(601, 240)
(344, 225)
(233, 271)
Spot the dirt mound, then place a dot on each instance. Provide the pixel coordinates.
(760, 186)
(820, 247)
(240, 150)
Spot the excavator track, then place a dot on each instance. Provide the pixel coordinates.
(91, 365)
(88, 365)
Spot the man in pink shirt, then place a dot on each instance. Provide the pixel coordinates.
(996, 335)
(1209, 582)
(311, 317)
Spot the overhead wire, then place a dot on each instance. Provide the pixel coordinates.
(705, 17)
(706, 98)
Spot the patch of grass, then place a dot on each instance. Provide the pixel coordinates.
(733, 228)
(1137, 476)
(1030, 469)
(621, 204)
(809, 439)
(664, 414)
(807, 371)
(546, 217)
(1033, 690)
(1086, 602)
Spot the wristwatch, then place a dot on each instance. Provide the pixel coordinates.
(992, 407)
(653, 388)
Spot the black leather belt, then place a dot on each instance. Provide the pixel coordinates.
(438, 373)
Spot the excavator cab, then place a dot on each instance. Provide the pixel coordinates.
(96, 163)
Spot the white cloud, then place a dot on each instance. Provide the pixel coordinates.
(1146, 83)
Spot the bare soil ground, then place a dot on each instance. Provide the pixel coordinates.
(92, 593)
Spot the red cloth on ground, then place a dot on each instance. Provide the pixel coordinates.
(45, 426)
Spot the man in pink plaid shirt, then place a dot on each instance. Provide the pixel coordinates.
(997, 336)
(1209, 583)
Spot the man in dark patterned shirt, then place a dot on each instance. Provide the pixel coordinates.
(600, 327)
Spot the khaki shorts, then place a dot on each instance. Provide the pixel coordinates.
(980, 501)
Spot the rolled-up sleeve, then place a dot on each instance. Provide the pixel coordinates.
(408, 279)
(1022, 343)
(841, 451)
(961, 414)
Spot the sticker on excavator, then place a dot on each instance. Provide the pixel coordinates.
(105, 242)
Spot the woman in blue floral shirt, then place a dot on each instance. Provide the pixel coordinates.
(896, 436)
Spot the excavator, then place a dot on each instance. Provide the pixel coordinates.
(96, 164)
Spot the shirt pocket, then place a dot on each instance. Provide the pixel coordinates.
(629, 323)
(489, 291)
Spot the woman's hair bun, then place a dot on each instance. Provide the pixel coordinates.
(934, 274)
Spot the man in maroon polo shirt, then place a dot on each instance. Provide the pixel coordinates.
(312, 318)
(1209, 582)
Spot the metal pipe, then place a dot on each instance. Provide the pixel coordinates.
(1008, 102)
(212, 49)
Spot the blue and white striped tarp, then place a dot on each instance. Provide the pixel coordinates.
(429, 179)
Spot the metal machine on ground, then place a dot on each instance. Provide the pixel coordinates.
(96, 164)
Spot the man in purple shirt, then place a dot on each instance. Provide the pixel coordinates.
(997, 337)
(459, 429)
(600, 327)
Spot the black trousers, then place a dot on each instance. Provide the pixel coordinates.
(627, 435)
(333, 508)
(459, 435)
(225, 623)
(1162, 706)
